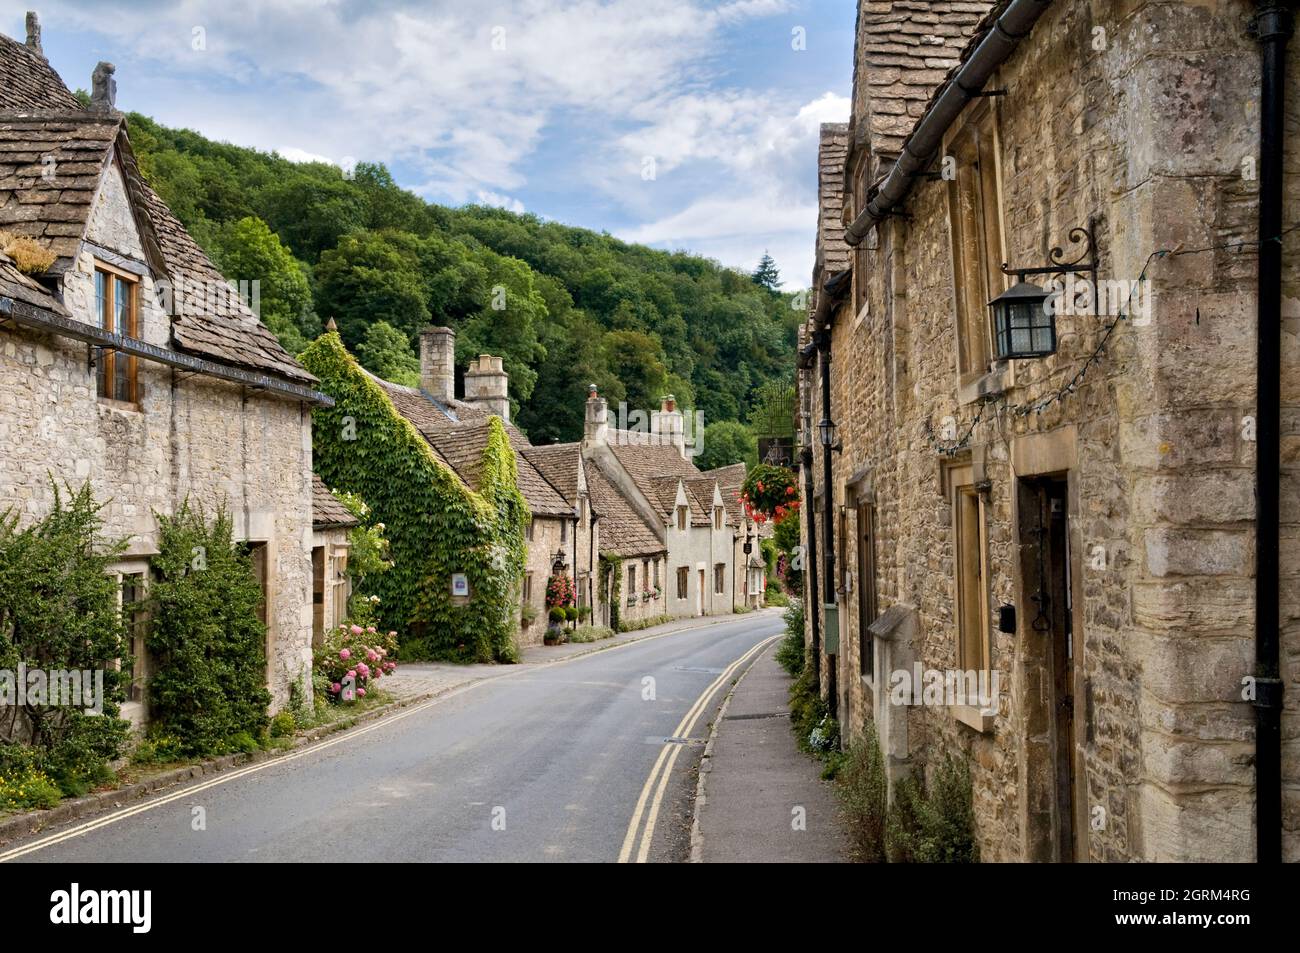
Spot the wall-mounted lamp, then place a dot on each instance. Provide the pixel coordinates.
(1022, 326)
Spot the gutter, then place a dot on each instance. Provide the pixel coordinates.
(993, 50)
(1273, 27)
(97, 337)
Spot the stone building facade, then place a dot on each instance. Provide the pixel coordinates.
(1081, 525)
(128, 364)
(674, 532)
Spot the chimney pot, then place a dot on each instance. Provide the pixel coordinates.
(487, 386)
(34, 32)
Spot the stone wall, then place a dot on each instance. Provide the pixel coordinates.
(1149, 134)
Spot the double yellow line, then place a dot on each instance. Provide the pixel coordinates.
(667, 758)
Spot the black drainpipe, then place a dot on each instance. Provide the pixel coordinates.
(1273, 26)
(823, 338)
(810, 605)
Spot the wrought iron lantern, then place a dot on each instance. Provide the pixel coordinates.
(1024, 324)
(827, 430)
(558, 565)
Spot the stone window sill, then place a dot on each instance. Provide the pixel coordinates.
(123, 405)
(972, 717)
(997, 381)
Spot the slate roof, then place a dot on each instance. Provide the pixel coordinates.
(50, 165)
(730, 480)
(622, 530)
(326, 510)
(559, 463)
(26, 78)
(833, 253)
(26, 290)
(40, 119)
(458, 433)
(904, 51)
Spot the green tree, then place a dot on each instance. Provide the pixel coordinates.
(387, 353)
(727, 442)
(59, 610)
(208, 687)
(766, 274)
(637, 360)
(370, 277)
(247, 250)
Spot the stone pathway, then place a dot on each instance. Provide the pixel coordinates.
(758, 788)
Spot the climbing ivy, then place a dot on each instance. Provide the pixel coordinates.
(436, 526)
(611, 570)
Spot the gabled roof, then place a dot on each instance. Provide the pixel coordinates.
(458, 433)
(701, 490)
(561, 465)
(26, 78)
(622, 530)
(730, 480)
(326, 510)
(53, 155)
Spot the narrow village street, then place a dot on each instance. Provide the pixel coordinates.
(560, 757)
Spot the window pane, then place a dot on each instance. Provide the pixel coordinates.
(106, 322)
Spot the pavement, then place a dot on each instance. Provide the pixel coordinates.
(588, 758)
(761, 799)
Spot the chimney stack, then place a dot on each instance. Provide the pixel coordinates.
(438, 363)
(34, 33)
(487, 386)
(666, 424)
(596, 428)
(103, 94)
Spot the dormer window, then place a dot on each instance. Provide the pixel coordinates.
(717, 517)
(681, 518)
(117, 303)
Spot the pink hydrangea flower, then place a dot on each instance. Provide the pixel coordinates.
(361, 693)
(345, 654)
(364, 670)
(336, 688)
(356, 630)
(370, 629)
(352, 673)
(372, 656)
(392, 635)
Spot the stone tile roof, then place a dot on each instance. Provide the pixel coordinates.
(50, 166)
(458, 434)
(904, 50)
(700, 490)
(833, 252)
(40, 119)
(730, 479)
(27, 290)
(560, 463)
(622, 530)
(326, 510)
(26, 78)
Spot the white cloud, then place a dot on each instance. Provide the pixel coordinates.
(500, 201)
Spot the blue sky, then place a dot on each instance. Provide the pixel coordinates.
(679, 123)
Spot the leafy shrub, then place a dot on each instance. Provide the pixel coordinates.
(209, 645)
(27, 790)
(283, 725)
(527, 615)
(636, 625)
(59, 610)
(590, 633)
(807, 709)
(824, 738)
(791, 653)
(934, 826)
(774, 596)
(571, 613)
(158, 748)
(353, 653)
(862, 789)
(556, 614)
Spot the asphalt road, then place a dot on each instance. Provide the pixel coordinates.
(545, 763)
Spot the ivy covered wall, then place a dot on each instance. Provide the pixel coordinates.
(436, 526)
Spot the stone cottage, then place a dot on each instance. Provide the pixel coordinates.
(128, 361)
(1065, 505)
(331, 523)
(692, 571)
(562, 535)
(749, 571)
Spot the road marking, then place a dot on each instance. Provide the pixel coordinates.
(668, 753)
(345, 735)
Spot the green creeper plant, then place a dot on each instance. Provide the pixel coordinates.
(436, 525)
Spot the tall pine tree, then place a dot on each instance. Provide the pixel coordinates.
(766, 274)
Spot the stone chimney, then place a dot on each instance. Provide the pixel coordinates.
(487, 385)
(103, 93)
(34, 33)
(666, 424)
(438, 362)
(596, 429)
